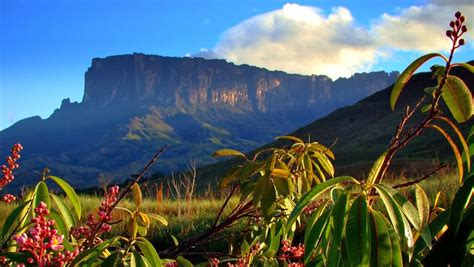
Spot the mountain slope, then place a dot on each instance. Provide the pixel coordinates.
(133, 104)
(361, 132)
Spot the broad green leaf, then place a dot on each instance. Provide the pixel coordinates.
(406, 75)
(111, 260)
(291, 138)
(92, 252)
(320, 148)
(228, 153)
(268, 201)
(325, 163)
(358, 233)
(65, 211)
(284, 186)
(461, 139)
(314, 217)
(314, 193)
(423, 205)
(137, 195)
(397, 219)
(464, 65)
(139, 260)
(336, 220)
(280, 173)
(315, 234)
(458, 98)
(13, 219)
(41, 194)
(183, 262)
(374, 171)
(148, 251)
(62, 228)
(70, 193)
(381, 246)
(460, 203)
(158, 218)
(407, 208)
(132, 227)
(454, 148)
(397, 259)
(435, 226)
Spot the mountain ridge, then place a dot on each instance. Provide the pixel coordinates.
(135, 103)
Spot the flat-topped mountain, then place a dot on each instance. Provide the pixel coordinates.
(135, 103)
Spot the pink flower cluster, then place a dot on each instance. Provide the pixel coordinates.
(7, 170)
(292, 255)
(42, 242)
(214, 262)
(98, 224)
(311, 207)
(8, 198)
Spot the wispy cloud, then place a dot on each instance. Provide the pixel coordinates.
(308, 40)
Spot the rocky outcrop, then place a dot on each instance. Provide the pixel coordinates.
(132, 104)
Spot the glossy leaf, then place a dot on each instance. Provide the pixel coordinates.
(358, 233)
(183, 262)
(60, 225)
(374, 171)
(41, 194)
(381, 245)
(460, 203)
(465, 65)
(458, 98)
(397, 259)
(93, 252)
(397, 219)
(407, 208)
(70, 193)
(139, 260)
(291, 138)
(228, 153)
(336, 220)
(454, 148)
(137, 195)
(268, 201)
(158, 218)
(148, 251)
(132, 227)
(406, 75)
(461, 139)
(315, 234)
(423, 205)
(280, 173)
(13, 218)
(314, 193)
(64, 211)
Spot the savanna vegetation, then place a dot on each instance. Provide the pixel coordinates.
(279, 207)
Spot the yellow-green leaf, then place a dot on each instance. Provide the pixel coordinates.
(70, 193)
(458, 98)
(137, 195)
(291, 138)
(149, 251)
(454, 148)
(132, 227)
(158, 218)
(280, 173)
(228, 153)
(406, 75)
(423, 205)
(374, 171)
(465, 65)
(461, 139)
(41, 194)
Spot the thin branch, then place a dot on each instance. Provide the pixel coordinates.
(224, 205)
(426, 176)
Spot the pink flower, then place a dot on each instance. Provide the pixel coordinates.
(7, 170)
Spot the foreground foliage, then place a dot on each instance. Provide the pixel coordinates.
(298, 212)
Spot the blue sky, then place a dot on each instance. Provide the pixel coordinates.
(46, 46)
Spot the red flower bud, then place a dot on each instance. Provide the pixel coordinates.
(464, 28)
(458, 14)
(449, 33)
(461, 42)
(451, 24)
(462, 18)
(457, 23)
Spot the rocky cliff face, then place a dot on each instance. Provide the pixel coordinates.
(132, 104)
(141, 80)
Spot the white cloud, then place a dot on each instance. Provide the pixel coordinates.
(306, 40)
(420, 28)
